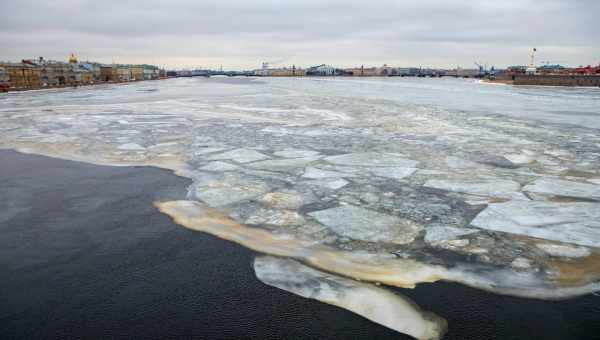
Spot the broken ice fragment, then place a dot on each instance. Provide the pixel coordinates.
(459, 163)
(131, 147)
(240, 156)
(559, 187)
(329, 183)
(367, 225)
(280, 218)
(283, 164)
(374, 303)
(439, 234)
(219, 166)
(283, 200)
(317, 173)
(372, 159)
(563, 250)
(577, 223)
(394, 173)
(490, 188)
(220, 193)
(294, 153)
(520, 159)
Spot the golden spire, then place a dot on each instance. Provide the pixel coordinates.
(73, 59)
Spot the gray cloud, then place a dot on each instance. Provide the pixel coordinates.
(241, 33)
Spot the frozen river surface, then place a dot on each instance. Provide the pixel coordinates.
(394, 181)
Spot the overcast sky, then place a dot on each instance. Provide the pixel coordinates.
(242, 33)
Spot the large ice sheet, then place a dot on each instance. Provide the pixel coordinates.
(376, 304)
(367, 225)
(560, 187)
(217, 193)
(240, 155)
(372, 159)
(491, 188)
(283, 164)
(577, 223)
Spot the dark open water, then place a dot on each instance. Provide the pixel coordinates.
(83, 254)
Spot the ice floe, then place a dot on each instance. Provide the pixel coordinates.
(559, 187)
(372, 159)
(562, 250)
(438, 234)
(367, 225)
(283, 164)
(240, 156)
(295, 153)
(394, 173)
(376, 304)
(332, 184)
(222, 192)
(285, 200)
(500, 188)
(577, 223)
(316, 173)
(218, 166)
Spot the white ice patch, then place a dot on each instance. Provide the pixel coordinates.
(316, 173)
(436, 235)
(240, 156)
(367, 225)
(563, 250)
(490, 188)
(332, 184)
(577, 223)
(559, 187)
(393, 173)
(217, 193)
(283, 164)
(294, 153)
(219, 166)
(372, 159)
(131, 147)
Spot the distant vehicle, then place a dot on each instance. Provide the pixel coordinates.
(4, 87)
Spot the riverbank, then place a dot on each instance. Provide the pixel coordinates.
(549, 80)
(88, 256)
(86, 85)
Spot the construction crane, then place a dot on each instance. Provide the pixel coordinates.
(482, 69)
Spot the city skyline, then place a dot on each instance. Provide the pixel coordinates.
(241, 35)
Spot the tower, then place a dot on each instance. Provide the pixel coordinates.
(73, 59)
(531, 69)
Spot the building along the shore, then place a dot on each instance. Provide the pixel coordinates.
(94, 68)
(109, 73)
(364, 71)
(53, 73)
(287, 72)
(3, 76)
(137, 72)
(23, 75)
(321, 70)
(150, 72)
(81, 75)
(124, 73)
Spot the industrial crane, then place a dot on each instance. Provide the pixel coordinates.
(482, 69)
